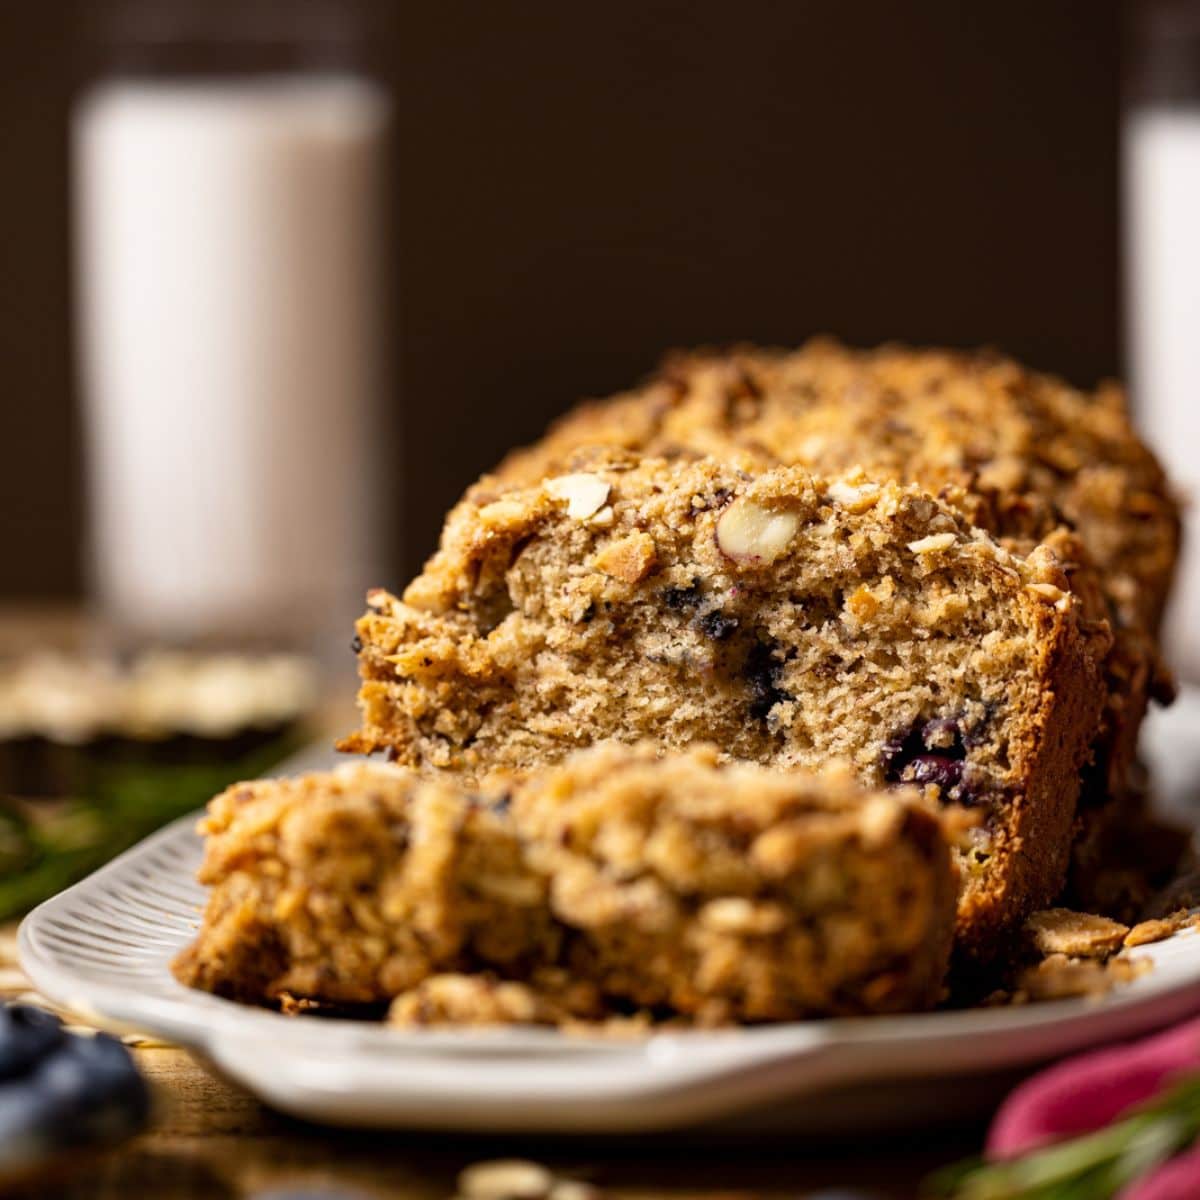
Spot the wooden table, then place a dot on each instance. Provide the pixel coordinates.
(210, 1139)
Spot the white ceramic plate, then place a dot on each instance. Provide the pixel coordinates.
(101, 949)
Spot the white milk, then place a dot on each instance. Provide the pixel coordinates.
(230, 254)
(1162, 218)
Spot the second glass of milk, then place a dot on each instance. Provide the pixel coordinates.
(1161, 160)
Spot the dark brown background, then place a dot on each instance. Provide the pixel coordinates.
(580, 185)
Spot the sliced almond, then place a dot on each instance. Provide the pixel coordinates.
(1047, 592)
(855, 498)
(932, 544)
(1156, 930)
(1081, 935)
(748, 532)
(585, 494)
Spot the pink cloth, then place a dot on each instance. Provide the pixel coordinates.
(1177, 1180)
(1087, 1092)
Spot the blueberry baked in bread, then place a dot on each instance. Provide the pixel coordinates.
(618, 880)
(790, 619)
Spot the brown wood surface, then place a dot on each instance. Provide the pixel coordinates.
(209, 1138)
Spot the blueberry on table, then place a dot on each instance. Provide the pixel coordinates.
(29, 1120)
(95, 1089)
(60, 1091)
(27, 1035)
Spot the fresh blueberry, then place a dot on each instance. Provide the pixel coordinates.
(94, 1088)
(28, 1123)
(27, 1034)
(72, 1091)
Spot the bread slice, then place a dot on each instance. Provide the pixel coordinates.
(733, 891)
(616, 881)
(790, 619)
(349, 887)
(1031, 452)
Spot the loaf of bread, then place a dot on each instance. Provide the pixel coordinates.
(788, 618)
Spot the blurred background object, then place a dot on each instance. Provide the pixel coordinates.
(576, 189)
(97, 752)
(231, 260)
(1161, 131)
(63, 1096)
(230, 254)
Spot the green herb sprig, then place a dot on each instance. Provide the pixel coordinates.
(1094, 1166)
(46, 847)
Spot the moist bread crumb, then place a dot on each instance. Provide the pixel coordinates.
(1080, 935)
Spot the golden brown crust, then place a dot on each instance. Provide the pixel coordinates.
(352, 886)
(733, 892)
(1033, 450)
(1039, 835)
(713, 893)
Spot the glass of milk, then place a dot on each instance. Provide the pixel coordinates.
(1161, 152)
(232, 254)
